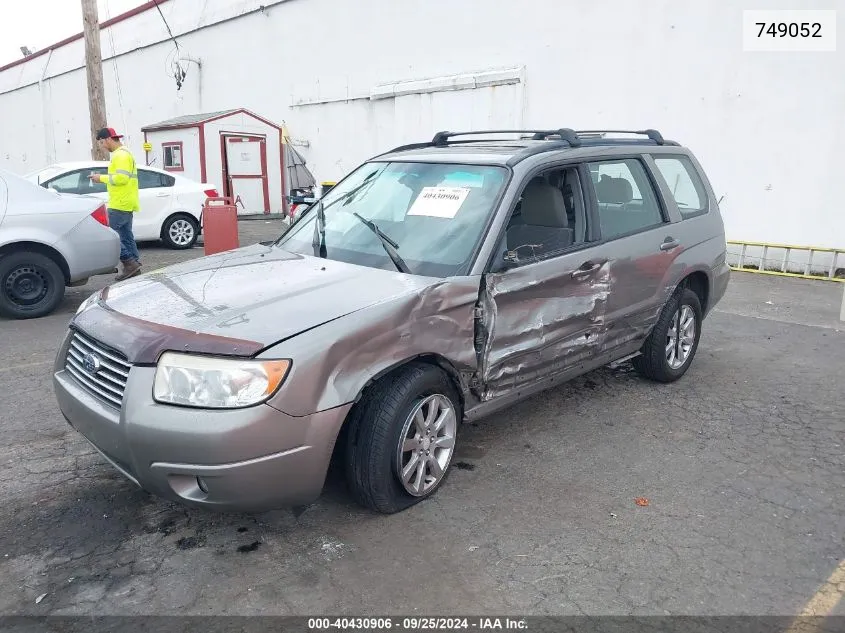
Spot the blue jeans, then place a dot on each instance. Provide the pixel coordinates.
(121, 222)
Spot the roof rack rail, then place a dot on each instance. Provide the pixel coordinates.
(654, 135)
(570, 137)
(441, 139)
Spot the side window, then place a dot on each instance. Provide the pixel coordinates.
(167, 181)
(627, 202)
(86, 186)
(684, 183)
(148, 179)
(67, 183)
(172, 156)
(549, 217)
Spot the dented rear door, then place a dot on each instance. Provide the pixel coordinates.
(541, 318)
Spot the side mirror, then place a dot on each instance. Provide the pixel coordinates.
(509, 260)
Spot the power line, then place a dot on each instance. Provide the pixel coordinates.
(169, 32)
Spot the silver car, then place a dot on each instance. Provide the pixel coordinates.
(48, 241)
(435, 284)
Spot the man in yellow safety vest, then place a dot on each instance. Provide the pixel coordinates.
(122, 186)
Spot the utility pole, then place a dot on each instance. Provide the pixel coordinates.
(94, 70)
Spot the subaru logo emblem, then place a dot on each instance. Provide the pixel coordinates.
(91, 363)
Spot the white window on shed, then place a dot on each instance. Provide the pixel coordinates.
(173, 156)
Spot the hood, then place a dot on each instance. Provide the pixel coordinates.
(260, 294)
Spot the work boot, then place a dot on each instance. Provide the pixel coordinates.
(131, 268)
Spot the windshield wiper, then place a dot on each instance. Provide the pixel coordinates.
(319, 240)
(389, 245)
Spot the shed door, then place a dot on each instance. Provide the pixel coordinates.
(245, 173)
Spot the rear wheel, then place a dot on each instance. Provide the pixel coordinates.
(402, 439)
(31, 285)
(180, 231)
(668, 351)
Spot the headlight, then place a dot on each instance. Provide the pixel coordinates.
(216, 383)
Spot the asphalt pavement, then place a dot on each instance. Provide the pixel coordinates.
(739, 470)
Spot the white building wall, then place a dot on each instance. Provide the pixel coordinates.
(766, 126)
(190, 139)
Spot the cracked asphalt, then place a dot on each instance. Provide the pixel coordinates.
(742, 464)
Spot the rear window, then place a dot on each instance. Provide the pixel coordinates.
(684, 183)
(153, 180)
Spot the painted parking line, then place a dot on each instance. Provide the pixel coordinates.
(822, 603)
(832, 325)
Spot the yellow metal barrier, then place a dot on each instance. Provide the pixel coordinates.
(763, 264)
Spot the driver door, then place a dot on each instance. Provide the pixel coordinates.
(543, 312)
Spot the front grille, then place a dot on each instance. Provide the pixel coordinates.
(101, 371)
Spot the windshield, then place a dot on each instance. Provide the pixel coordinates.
(433, 213)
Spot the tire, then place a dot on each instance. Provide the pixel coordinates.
(654, 362)
(180, 231)
(383, 418)
(31, 285)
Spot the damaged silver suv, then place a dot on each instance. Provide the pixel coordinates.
(436, 283)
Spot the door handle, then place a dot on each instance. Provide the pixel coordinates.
(162, 195)
(669, 243)
(587, 269)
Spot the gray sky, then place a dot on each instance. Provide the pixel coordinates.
(40, 23)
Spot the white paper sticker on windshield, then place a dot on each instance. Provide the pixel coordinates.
(439, 202)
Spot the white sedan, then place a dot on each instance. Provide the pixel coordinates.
(171, 205)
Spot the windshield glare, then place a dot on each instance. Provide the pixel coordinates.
(435, 212)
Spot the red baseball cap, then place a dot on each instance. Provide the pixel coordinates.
(108, 132)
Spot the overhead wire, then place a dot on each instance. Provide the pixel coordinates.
(172, 68)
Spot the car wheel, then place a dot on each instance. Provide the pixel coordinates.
(180, 231)
(671, 346)
(31, 285)
(402, 439)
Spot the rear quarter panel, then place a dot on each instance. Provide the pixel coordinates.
(89, 249)
(190, 199)
(702, 237)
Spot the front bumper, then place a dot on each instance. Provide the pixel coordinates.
(250, 460)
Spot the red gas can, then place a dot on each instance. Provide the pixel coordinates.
(220, 225)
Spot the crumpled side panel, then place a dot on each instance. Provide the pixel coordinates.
(333, 362)
(535, 328)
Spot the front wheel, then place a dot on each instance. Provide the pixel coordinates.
(668, 351)
(31, 285)
(402, 439)
(180, 231)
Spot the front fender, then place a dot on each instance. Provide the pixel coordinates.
(333, 362)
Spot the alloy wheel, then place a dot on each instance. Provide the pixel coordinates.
(681, 337)
(426, 444)
(181, 232)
